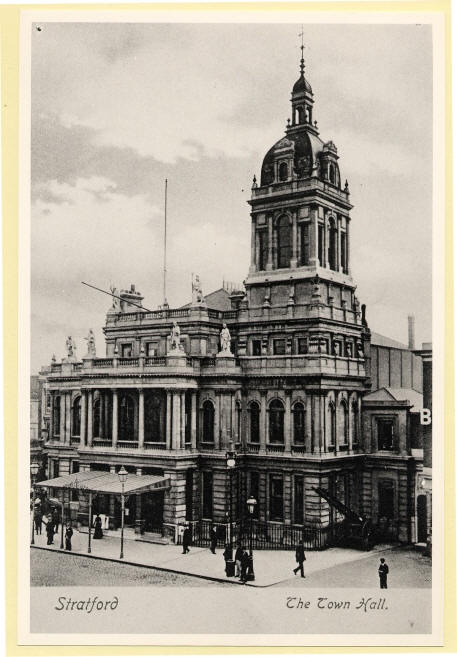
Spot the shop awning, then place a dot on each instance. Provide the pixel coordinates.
(106, 482)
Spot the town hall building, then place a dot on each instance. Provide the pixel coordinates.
(283, 376)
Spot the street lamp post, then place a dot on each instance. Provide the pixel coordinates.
(251, 504)
(122, 474)
(34, 467)
(231, 462)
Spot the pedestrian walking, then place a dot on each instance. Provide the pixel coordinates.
(50, 531)
(238, 557)
(383, 571)
(38, 520)
(68, 535)
(98, 533)
(245, 563)
(227, 554)
(300, 558)
(186, 539)
(55, 520)
(213, 540)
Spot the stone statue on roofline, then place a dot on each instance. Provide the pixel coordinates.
(116, 307)
(91, 350)
(225, 338)
(175, 340)
(71, 349)
(197, 294)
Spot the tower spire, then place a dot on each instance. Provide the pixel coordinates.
(302, 47)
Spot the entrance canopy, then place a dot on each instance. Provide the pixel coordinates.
(96, 481)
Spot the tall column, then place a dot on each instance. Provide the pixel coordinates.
(313, 238)
(140, 418)
(325, 242)
(183, 421)
(176, 429)
(193, 425)
(115, 416)
(287, 425)
(101, 430)
(169, 413)
(347, 245)
(68, 418)
(308, 423)
(263, 421)
(338, 244)
(90, 416)
(270, 244)
(62, 417)
(253, 245)
(294, 260)
(82, 432)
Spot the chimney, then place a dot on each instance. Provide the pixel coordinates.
(411, 338)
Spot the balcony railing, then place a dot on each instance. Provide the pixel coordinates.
(275, 448)
(150, 445)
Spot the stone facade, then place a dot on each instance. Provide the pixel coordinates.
(289, 400)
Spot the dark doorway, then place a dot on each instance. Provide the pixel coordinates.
(152, 511)
(422, 519)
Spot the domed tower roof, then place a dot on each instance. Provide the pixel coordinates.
(302, 85)
(304, 148)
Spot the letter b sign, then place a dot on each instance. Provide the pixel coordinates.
(426, 416)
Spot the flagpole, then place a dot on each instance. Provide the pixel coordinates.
(165, 248)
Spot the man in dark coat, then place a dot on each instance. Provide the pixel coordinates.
(50, 531)
(68, 535)
(37, 519)
(245, 562)
(213, 541)
(300, 558)
(186, 540)
(55, 520)
(383, 571)
(238, 557)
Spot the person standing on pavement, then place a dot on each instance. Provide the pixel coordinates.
(238, 557)
(50, 530)
(383, 571)
(213, 540)
(68, 535)
(98, 533)
(300, 558)
(245, 562)
(55, 520)
(186, 540)
(38, 520)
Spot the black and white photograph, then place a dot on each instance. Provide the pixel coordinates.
(232, 238)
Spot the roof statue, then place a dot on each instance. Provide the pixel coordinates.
(91, 350)
(175, 340)
(116, 301)
(71, 349)
(225, 338)
(197, 295)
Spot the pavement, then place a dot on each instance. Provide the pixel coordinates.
(272, 567)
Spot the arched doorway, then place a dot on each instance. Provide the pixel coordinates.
(422, 519)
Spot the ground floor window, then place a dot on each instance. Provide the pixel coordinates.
(298, 500)
(254, 490)
(189, 493)
(276, 498)
(386, 499)
(207, 495)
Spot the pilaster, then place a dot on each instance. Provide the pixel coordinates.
(90, 416)
(115, 416)
(140, 418)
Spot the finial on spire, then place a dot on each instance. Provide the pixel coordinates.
(302, 47)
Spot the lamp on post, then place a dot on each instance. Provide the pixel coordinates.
(251, 504)
(34, 467)
(231, 463)
(122, 474)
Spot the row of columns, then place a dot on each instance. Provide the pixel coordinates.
(295, 255)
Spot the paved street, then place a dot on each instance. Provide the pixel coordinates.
(60, 569)
(334, 567)
(407, 569)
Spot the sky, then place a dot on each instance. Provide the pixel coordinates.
(117, 108)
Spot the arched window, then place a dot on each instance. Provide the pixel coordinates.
(76, 417)
(127, 418)
(96, 412)
(283, 171)
(56, 415)
(332, 238)
(331, 173)
(299, 423)
(208, 422)
(355, 422)
(331, 425)
(276, 422)
(154, 417)
(254, 422)
(284, 242)
(342, 423)
(299, 115)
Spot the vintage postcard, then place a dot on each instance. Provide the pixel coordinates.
(232, 310)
